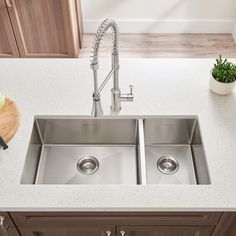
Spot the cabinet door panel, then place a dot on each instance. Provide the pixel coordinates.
(9, 227)
(10, 232)
(43, 28)
(165, 231)
(8, 47)
(226, 225)
(66, 231)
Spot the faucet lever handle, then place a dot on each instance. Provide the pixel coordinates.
(127, 97)
(131, 89)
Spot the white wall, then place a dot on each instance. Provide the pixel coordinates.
(144, 15)
(159, 9)
(234, 32)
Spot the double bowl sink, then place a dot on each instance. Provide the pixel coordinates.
(116, 150)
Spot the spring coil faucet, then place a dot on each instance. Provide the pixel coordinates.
(116, 96)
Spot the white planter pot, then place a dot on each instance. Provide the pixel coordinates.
(219, 87)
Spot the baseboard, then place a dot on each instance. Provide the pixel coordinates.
(166, 26)
(234, 32)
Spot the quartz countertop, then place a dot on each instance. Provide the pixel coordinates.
(162, 87)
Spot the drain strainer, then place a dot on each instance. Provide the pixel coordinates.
(87, 165)
(168, 165)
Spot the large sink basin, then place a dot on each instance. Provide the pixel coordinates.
(115, 150)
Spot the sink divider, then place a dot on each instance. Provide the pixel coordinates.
(39, 164)
(141, 154)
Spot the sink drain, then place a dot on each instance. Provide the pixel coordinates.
(87, 165)
(168, 165)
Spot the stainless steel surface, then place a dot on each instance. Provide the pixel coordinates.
(97, 107)
(116, 96)
(88, 165)
(141, 154)
(128, 97)
(3, 227)
(115, 150)
(122, 233)
(117, 165)
(168, 165)
(113, 142)
(108, 233)
(174, 137)
(186, 172)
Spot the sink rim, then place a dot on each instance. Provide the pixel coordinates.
(140, 120)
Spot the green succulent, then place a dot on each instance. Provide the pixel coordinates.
(224, 71)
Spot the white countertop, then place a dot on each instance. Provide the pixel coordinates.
(162, 87)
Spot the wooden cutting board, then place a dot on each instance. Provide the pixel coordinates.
(9, 120)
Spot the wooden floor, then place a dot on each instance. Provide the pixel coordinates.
(166, 45)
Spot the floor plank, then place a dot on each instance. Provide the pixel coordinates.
(166, 45)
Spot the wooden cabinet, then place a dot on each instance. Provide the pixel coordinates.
(7, 227)
(226, 225)
(120, 223)
(114, 218)
(8, 47)
(42, 28)
(165, 231)
(66, 231)
(115, 223)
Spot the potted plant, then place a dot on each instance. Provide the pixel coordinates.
(223, 76)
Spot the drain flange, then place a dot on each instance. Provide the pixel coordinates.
(168, 165)
(87, 165)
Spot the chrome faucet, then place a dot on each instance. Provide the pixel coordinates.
(116, 96)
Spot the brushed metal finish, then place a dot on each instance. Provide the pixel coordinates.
(182, 153)
(168, 131)
(178, 138)
(127, 149)
(97, 107)
(88, 130)
(108, 233)
(103, 28)
(65, 141)
(122, 233)
(168, 165)
(141, 154)
(116, 96)
(88, 165)
(117, 165)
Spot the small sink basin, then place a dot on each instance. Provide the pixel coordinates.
(115, 150)
(174, 151)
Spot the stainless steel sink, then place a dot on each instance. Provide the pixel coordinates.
(174, 147)
(115, 150)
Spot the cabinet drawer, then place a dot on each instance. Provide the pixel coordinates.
(121, 218)
(165, 230)
(67, 231)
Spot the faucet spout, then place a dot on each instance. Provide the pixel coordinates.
(117, 97)
(106, 24)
